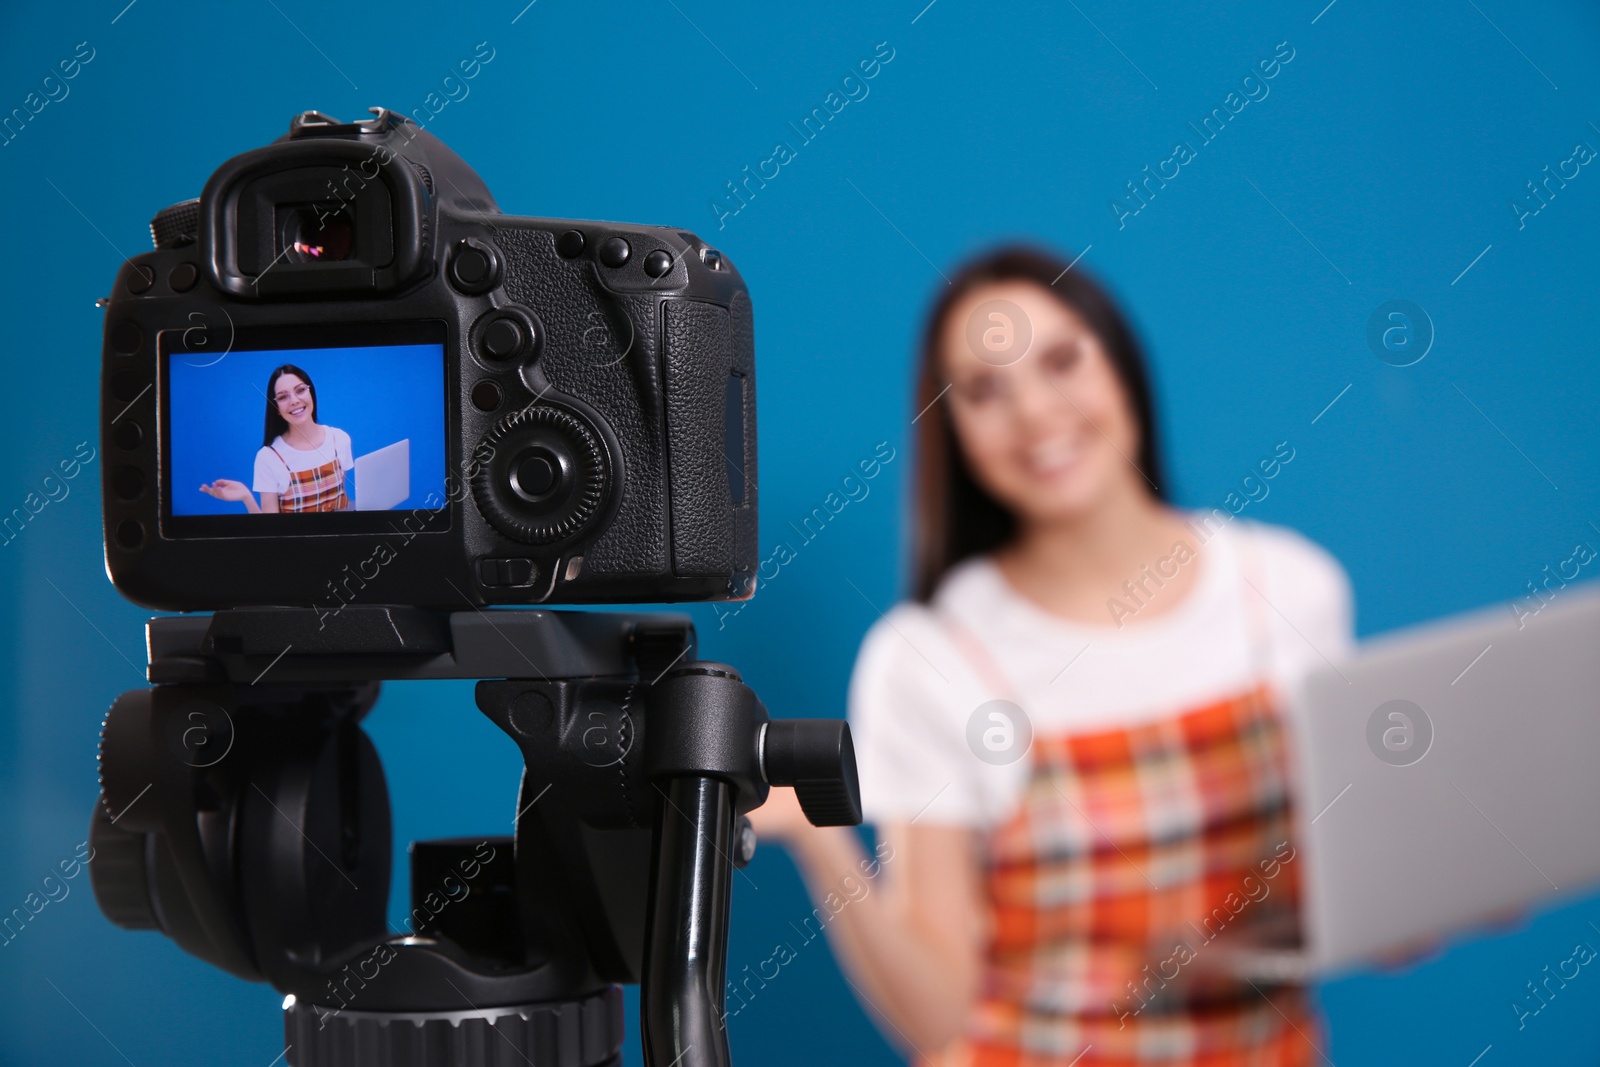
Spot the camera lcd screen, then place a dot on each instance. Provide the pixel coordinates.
(304, 430)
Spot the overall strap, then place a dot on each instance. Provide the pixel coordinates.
(1258, 610)
(977, 656)
(294, 486)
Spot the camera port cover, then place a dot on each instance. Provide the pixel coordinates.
(542, 475)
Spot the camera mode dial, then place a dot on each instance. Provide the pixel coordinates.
(177, 226)
(542, 475)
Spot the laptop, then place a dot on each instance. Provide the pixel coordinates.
(383, 478)
(1446, 778)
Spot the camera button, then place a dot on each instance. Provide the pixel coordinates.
(570, 244)
(486, 395)
(657, 263)
(140, 279)
(503, 338)
(182, 277)
(474, 268)
(537, 473)
(130, 533)
(128, 385)
(127, 483)
(126, 337)
(614, 251)
(504, 335)
(127, 435)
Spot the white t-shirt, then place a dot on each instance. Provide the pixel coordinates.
(274, 463)
(915, 690)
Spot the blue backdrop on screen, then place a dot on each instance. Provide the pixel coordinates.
(1421, 152)
(378, 394)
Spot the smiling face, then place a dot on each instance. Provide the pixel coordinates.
(1050, 433)
(294, 400)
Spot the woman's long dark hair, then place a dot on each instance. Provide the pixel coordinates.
(276, 423)
(953, 516)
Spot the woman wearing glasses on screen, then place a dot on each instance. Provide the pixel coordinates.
(1069, 740)
(301, 464)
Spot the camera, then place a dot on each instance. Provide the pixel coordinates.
(344, 377)
(346, 405)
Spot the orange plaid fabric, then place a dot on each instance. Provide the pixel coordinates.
(317, 489)
(1133, 853)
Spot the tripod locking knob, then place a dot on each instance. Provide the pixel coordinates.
(817, 757)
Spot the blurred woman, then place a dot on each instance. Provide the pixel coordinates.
(1070, 740)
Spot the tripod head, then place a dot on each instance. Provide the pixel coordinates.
(244, 814)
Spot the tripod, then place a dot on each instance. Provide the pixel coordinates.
(244, 814)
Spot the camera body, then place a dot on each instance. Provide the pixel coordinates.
(512, 410)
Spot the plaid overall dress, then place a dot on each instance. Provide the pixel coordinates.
(316, 489)
(1133, 852)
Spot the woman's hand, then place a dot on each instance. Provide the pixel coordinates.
(780, 818)
(1409, 955)
(228, 489)
(911, 932)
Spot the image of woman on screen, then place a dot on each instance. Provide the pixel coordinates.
(302, 463)
(1069, 737)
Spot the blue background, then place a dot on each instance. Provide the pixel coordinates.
(377, 394)
(1382, 166)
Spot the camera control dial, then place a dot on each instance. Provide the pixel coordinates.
(542, 475)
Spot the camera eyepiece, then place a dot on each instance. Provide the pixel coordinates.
(314, 233)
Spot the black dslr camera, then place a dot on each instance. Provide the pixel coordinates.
(457, 409)
(460, 407)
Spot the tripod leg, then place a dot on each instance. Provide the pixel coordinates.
(686, 954)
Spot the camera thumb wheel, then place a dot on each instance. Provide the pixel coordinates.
(542, 475)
